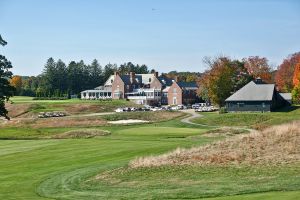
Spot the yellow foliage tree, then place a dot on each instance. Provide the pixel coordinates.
(16, 81)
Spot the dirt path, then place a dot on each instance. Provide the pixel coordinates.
(194, 115)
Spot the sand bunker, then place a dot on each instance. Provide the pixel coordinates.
(128, 121)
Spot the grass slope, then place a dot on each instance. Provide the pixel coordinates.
(23, 105)
(252, 120)
(66, 168)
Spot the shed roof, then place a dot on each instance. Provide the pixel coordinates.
(253, 92)
(286, 96)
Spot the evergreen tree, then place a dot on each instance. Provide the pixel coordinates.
(6, 90)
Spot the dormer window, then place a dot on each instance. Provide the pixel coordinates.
(149, 80)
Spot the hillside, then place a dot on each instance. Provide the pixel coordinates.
(275, 145)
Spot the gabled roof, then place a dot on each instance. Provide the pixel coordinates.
(139, 78)
(126, 79)
(187, 85)
(253, 92)
(144, 78)
(286, 96)
(165, 81)
(166, 89)
(109, 81)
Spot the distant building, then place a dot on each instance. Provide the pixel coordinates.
(149, 89)
(182, 93)
(256, 96)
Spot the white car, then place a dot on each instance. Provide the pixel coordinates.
(155, 109)
(133, 109)
(119, 110)
(174, 108)
(195, 106)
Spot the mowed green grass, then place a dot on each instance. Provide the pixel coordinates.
(25, 165)
(66, 169)
(252, 120)
(38, 168)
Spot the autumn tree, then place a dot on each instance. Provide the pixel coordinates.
(258, 67)
(296, 77)
(16, 82)
(296, 94)
(285, 73)
(224, 77)
(296, 82)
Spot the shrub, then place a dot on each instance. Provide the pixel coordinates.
(296, 95)
(223, 110)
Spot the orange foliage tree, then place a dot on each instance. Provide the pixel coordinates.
(285, 73)
(16, 81)
(258, 67)
(296, 78)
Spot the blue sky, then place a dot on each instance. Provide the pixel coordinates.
(164, 34)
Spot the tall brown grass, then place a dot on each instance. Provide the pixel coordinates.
(88, 133)
(275, 145)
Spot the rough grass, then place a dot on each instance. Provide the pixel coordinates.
(89, 133)
(54, 122)
(225, 131)
(275, 145)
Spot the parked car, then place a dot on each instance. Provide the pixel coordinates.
(195, 106)
(189, 106)
(181, 107)
(166, 108)
(155, 109)
(133, 109)
(119, 110)
(206, 109)
(174, 108)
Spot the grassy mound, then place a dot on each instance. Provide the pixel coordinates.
(275, 145)
(89, 133)
(225, 131)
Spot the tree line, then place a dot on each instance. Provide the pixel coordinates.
(61, 80)
(224, 76)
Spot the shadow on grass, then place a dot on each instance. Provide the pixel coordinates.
(288, 108)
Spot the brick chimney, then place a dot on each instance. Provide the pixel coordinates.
(176, 78)
(116, 73)
(258, 80)
(132, 77)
